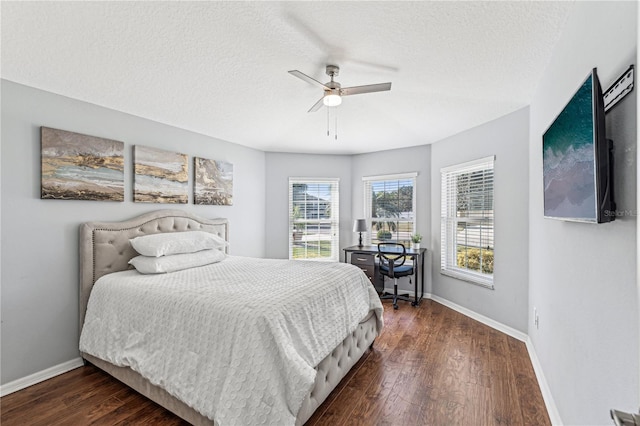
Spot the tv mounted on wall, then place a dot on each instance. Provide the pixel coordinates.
(577, 160)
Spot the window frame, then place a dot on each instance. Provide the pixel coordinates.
(368, 207)
(450, 220)
(333, 221)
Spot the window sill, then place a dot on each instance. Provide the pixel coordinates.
(316, 259)
(473, 279)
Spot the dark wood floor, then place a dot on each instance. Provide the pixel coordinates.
(431, 366)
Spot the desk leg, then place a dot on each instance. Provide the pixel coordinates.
(422, 282)
(417, 276)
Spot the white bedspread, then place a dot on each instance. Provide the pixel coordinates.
(237, 340)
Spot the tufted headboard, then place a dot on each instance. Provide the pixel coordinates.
(105, 247)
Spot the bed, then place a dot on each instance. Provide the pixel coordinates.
(105, 251)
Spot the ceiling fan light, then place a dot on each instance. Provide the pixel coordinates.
(332, 100)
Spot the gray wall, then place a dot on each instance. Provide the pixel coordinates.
(350, 169)
(39, 237)
(507, 139)
(280, 167)
(405, 160)
(583, 277)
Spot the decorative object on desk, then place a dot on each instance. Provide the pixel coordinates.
(213, 182)
(81, 167)
(160, 176)
(360, 226)
(415, 241)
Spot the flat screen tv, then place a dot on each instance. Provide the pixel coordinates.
(577, 160)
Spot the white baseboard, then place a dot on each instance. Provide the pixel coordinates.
(481, 318)
(40, 376)
(552, 409)
(549, 403)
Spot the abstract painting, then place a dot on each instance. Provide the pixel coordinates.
(81, 167)
(160, 176)
(213, 182)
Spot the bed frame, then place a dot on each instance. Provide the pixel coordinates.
(105, 248)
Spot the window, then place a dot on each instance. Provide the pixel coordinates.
(313, 219)
(467, 221)
(390, 205)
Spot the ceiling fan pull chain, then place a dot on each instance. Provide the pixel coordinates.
(328, 109)
(336, 128)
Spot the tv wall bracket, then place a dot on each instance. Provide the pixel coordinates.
(620, 418)
(618, 90)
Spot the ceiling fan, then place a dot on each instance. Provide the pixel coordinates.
(333, 92)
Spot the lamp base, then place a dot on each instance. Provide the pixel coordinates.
(360, 240)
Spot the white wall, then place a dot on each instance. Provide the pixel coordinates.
(39, 237)
(582, 276)
(507, 139)
(405, 160)
(281, 166)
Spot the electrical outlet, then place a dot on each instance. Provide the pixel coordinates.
(536, 319)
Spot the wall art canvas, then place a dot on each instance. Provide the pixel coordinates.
(213, 182)
(80, 167)
(160, 176)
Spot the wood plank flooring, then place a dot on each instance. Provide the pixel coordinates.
(430, 366)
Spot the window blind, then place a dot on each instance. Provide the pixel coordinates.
(390, 206)
(314, 213)
(467, 221)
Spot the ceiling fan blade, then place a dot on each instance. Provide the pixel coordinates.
(317, 105)
(308, 79)
(356, 90)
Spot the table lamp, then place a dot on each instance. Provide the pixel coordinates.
(360, 225)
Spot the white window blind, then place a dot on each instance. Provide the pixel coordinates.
(314, 218)
(467, 221)
(390, 207)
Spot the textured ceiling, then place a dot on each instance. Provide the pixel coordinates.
(220, 68)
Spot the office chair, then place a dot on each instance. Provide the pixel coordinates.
(392, 258)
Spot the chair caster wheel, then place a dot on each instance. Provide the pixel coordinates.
(414, 304)
(395, 307)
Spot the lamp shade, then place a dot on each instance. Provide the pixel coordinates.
(360, 225)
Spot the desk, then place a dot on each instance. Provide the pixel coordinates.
(416, 255)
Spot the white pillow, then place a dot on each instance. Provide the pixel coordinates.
(176, 262)
(176, 243)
